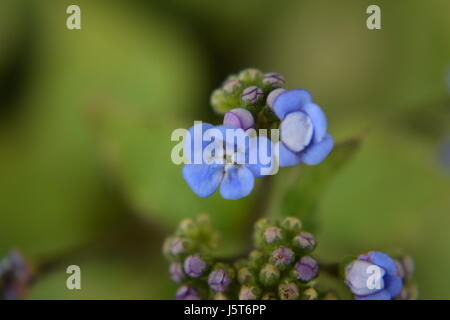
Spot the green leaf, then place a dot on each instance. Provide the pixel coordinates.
(306, 184)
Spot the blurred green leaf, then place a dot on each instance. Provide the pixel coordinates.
(306, 184)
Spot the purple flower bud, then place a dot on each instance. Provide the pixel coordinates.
(249, 293)
(219, 280)
(304, 241)
(252, 95)
(176, 272)
(307, 268)
(231, 85)
(15, 277)
(282, 257)
(273, 80)
(187, 293)
(194, 266)
(272, 96)
(272, 235)
(288, 291)
(239, 118)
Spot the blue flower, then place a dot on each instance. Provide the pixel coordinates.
(374, 276)
(303, 128)
(233, 172)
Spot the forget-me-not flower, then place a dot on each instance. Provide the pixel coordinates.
(303, 128)
(359, 277)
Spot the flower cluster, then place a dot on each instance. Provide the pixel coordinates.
(254, 100)
(15, 276)
(377, 276)
(279, 267)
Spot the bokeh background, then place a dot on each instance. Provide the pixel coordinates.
(86, 117)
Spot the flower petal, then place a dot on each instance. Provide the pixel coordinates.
(239, 118)
(357, 275)
(204, 179)
(318, 119)
(296, 131)
(382, 295)
(316, 153)
(394, 285)
(261, 157)
(195, 134)
(237, 182)
(290, 101)
(381, 259)
(286, 157)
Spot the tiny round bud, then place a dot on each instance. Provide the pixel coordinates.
(291, 224)
(187, 293)
(231, 85)
(272, 96)
(249, 293)
(273, 235)
(310, 294)
(176, 272)
(306, 269)
(219, 280)
(188, 228)
(239, 118)
(269, 275)
(256, 258)
(288, 291)
(282, 257)
(261, 224)
(252, 95)
(218, 101)
(194, 266)
(250, 76)
(244, 275)
(176, 246)
(273, 80)
(304, 241)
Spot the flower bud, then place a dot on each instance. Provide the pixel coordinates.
(15, 276)
(219, 280)
(187, 293)
(310, 294)
(272, 96)
(304, 241)
(239, 118)
(252, 96)
(176, 246)
(220, 296)
(244, 275)
(282, 257)
(219, 101)
(249, 292)
(232, 85)
(188, 228)
(269, 275)
(273, 235)
(250, 76)
(176, 272)
(194, 266)
(306, 269)
(291, 224)
(273, 80)
(288, 291)
(256, 259)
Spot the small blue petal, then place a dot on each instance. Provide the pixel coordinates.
(237, 182)
(383, 260)
(196, 133)
(290, 101)
(287, 158)
(394, 285)
(357, 275)
(382, 295)
(316, 153)
(261, 159)
(318, 119)
(203, 179)
(296, 131)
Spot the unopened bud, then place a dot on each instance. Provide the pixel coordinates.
(273, 235)
(219, 280)
(244, 275)
(231, 85)
(272, 96)
(273, 80)
(248, 292)
(282, 257)
(187, 293)
(269, 275)
(304, 241)
(194, 266)
(288, 291)
(291, 224)
(239, 118)
(252, 96)
(306, 269)
(310, 294)
(176, 272)
(250, 76)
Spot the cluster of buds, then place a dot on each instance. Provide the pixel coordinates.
(15, 276)
(250, 90)
(279, 267)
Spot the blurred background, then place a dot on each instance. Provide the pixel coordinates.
(86, 117)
